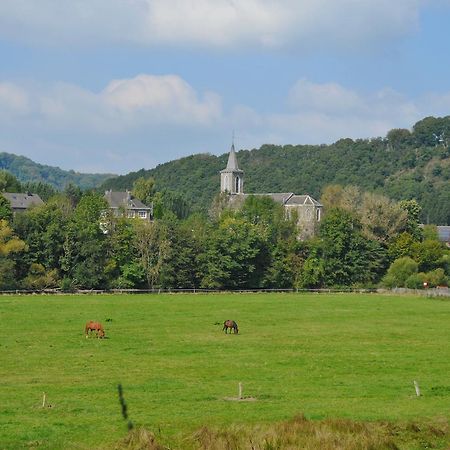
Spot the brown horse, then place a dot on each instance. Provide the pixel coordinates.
(230, 325)
(94, 326)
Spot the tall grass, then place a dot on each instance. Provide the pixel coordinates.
(301, 433)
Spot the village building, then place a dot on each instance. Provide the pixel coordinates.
(21, 202)
(123, 203)
(444, 234)
(307, 210)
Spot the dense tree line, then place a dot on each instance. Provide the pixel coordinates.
(74, 241)
(403, 165)
(27, 171)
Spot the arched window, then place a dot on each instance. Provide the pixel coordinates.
(237, 185)
(318, 215)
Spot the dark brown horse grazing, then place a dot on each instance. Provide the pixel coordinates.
(94, 326)
(230, 325)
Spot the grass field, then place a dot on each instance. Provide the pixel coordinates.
(325, 356)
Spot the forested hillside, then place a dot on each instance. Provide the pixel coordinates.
(27, 171)
(403, 165)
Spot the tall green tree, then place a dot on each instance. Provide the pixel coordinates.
(5, 209)
(144, 189)
(44, 229)
(9, 183)
(10, 244)
(182, 269)
(153, 248)
(232, 256)
(85, 245)
(123, 268)
(348, 257)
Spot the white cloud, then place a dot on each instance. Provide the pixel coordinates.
(165, 98)
(13, 99)
(305, 24)
(328, 111)
(148, 100)
(326, 97)
(149, 119)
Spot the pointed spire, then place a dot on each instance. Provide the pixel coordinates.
(232, 159)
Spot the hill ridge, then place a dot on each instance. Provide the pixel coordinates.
(27, 170)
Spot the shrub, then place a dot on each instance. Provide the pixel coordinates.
(38, 278)
(436, 278)
(415, 281)
(66, 285)
(399, 271)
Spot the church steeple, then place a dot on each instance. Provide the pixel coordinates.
(232, 159)
(232, 178)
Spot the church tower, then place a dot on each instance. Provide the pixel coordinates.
(232, 178)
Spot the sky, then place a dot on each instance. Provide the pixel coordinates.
(113, 86)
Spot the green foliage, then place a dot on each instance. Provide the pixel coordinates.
(404, 244)
(44, 190)
(313, 273)
(182, 269)
(413, 210)
(428, 254)
(8, 182)
(401, 166)
(430, 233)
(27, 171)
(85, 246)
(5, 209)
(399, 271)
(38, 278)
(235, 255)
(399, 138)
(432, 131)
(415, 281)
(10, 245)
(348, 257)
(144, 190)
(153, 249)
(168, 202)
(43, 229)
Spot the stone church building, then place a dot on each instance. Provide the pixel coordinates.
(309, 211)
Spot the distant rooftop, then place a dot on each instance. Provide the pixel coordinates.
(444, 233)
(120, 199)
(22, 201)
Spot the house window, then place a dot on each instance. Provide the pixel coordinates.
(237, 185)
(131, 214)
(318, 215)
(143, 214)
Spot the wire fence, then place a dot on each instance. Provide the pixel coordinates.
(430, 292)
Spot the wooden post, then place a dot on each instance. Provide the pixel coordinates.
(416, 386)
(43, 400)
(240, 391)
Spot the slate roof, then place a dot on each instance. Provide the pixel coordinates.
(302, 200)
(444, 233)
(232, 164)
(119, 199)
(289, 198)
(22, 201)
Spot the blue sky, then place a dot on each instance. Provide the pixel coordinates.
(117, 85)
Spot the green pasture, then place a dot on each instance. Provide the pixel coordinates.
(323, 355)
